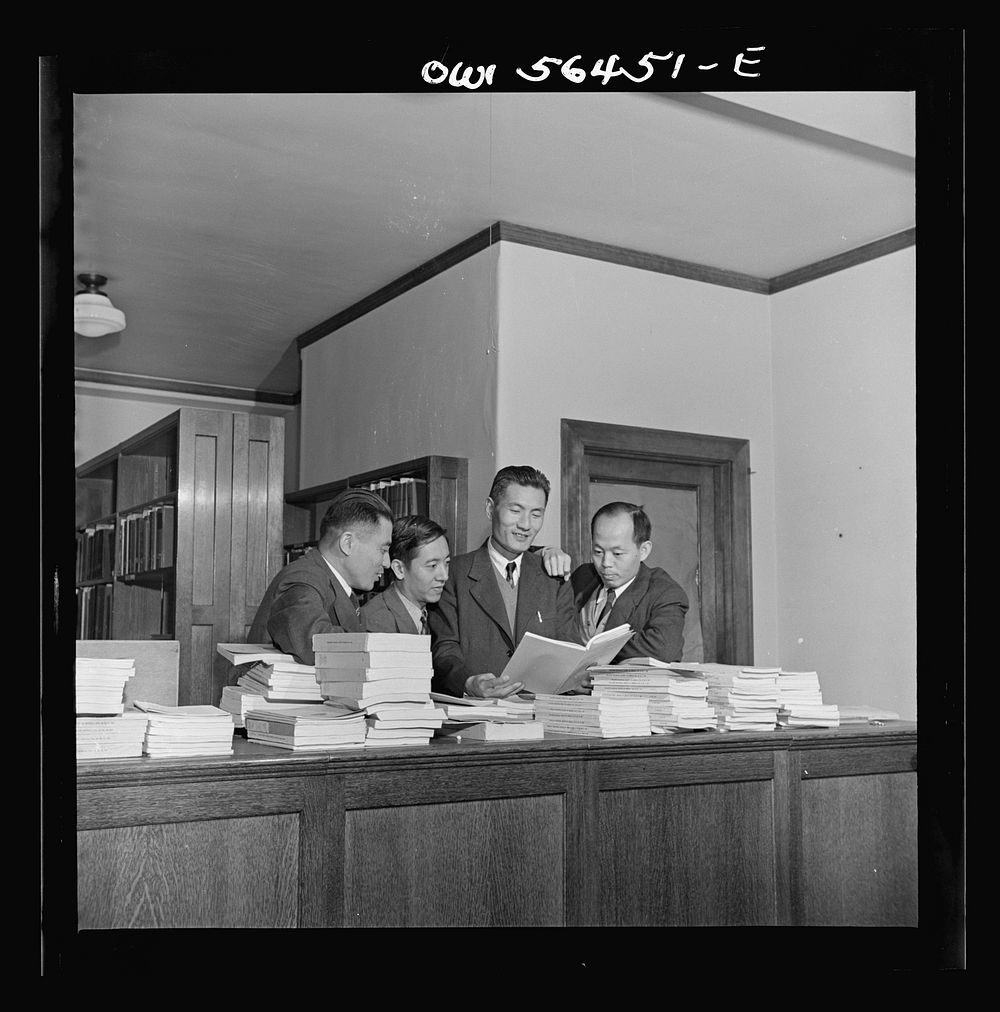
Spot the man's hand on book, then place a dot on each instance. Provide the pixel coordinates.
(556, 562)
(487, 685)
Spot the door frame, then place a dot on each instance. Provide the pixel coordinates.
(729, 461)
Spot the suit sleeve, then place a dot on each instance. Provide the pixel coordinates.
(376, 617)
(297, 613)
(569, 627)
(450, 667)
(662, 632)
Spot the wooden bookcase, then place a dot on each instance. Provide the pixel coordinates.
(440, 484)
(178, 534)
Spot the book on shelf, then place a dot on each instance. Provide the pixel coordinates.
(371, 642)
(489, 730)
(551, 666)
(585, 715)
(306, 726)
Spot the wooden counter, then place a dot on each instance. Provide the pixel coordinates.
(785, 828)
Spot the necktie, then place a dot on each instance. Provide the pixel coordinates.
(356, 603)
(423, 622)
(511, 566)
(608, 605)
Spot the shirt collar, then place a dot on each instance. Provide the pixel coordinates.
(347, 587)
(416, 612)
(602, 593)
(500, 562)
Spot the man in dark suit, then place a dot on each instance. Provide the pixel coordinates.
(419, 557)
(499, 592)
(315, 593)
(618, 587)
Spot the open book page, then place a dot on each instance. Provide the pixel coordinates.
(545, 665)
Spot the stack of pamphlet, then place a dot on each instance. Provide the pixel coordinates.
(236, 699)
(490, 719)
(865, 714)
(282, 682)
(597, 718)
(100, 685)
(744, 698)
(677, 699)
(385, 675)
(118, 737)
(178, 731)
(309, 727)
(800, 701)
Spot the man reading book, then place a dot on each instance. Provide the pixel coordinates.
(619, 587)
(419, 558)
(499, 592)
(316, 593)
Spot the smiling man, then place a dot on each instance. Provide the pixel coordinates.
(499, 592)
(619, 587)
(419, 558)
(315, 593)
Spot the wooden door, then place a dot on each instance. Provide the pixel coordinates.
(696, 491)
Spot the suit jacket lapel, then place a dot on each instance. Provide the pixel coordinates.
(530, 590)
(624, 606)
(485, 592)
(404, 620)
(343, 607)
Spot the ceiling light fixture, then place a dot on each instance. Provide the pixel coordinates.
(93, 314)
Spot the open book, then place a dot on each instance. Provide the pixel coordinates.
(545, 665)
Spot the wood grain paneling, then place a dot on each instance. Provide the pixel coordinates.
(859, 851)
(682, 856)
(229, 873)
(478, 863)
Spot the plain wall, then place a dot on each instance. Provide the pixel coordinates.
(845, 487)
(414, 377)
(602, 342)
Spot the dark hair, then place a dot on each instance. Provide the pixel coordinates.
(351, 507)
(642, 529)
(410, 534)
(529, 477)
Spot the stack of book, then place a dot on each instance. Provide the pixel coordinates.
(800, 701)
(744, 698)
(492, 719)
(597, 718)
(385, 675)
(237, 700)
(809, 715)
(119, 737)
(282, 682)
(677, 699)
(307, 728)
(100, 685)
(180, 731)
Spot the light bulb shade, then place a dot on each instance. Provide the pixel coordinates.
(94, 316)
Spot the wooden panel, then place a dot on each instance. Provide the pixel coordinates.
(429, 786)
(663, 771)
(840, 762)
(228, 873)
(203, 544)
(478, 863)
(198, 687)
(859, 851)
(681, 856)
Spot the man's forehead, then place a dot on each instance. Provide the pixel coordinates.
(524, 494)
(436, 549)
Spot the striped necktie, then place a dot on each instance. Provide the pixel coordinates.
(356, 603)
(423, 622)
(511, 566)
(608, 605)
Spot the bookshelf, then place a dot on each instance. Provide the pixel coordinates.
(436, 486)
(178, 534)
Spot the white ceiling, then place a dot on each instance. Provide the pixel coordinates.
(229, 224)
